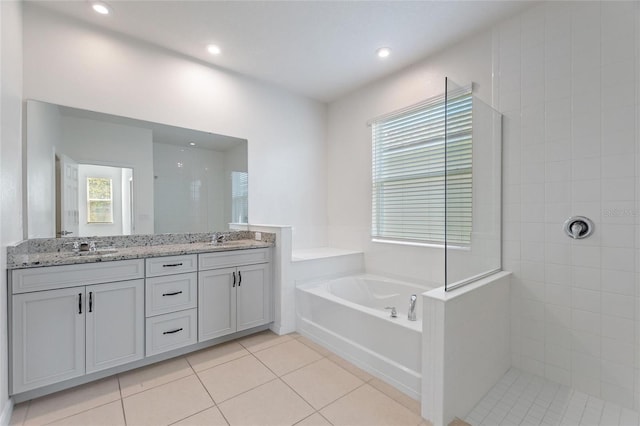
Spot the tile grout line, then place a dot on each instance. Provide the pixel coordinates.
(310, 415)
(124, 413)
(215, 405)
(79, 412)
(155, 386)
(288, 372)
(218, 365)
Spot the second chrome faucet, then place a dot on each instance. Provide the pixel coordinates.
(411, 313)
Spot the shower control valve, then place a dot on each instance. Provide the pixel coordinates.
(578, 227)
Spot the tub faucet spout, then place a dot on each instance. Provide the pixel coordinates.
(411, 315)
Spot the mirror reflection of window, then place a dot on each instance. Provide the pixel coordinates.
(240, 197)
(99, 200)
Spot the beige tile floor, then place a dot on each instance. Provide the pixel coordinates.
(262, 379)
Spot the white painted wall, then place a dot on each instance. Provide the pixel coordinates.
(95, 70)
(100, 143)
(349, 154)
(10, 167)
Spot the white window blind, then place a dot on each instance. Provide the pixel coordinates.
(409, 173)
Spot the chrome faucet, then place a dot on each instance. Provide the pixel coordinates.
(394, 313)
(217, 238)
(411, 315)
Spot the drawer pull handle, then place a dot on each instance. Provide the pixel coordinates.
(173, 293)
(172, 331)
(79, 303)
(234, 279)
(171, 265)
(239, 275)
(90, 301)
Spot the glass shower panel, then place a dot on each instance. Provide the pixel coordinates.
(473, 152)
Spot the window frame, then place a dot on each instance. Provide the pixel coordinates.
(90, 200)
(422, 128)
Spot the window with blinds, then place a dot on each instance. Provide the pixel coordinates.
(239, 197)
(409, 166)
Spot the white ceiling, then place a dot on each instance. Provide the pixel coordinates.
(320, 49)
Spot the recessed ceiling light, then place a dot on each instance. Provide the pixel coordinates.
(101, 8)
(214, 49)
(192, 143)
(383, 52)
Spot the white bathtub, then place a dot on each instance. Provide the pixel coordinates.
(348, 316)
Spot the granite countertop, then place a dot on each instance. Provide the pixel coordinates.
(106, 254)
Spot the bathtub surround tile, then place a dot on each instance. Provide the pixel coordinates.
(322, 382)
(368, 406)
(585, 110)
(167, 403)
(235, 377)
(273, 403)
(72, 401)
(154, 375)
(287, 357)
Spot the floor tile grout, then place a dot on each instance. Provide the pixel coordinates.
(322, 356)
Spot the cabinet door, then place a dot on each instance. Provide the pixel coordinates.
(254, 296)
(115, 324)
(48, 337)
(216, 303)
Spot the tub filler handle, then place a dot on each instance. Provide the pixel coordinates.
(411, 314)
(394, 313)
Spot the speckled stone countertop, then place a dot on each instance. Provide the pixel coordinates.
(58, 251)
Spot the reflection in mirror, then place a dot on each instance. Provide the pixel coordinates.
(93, 174)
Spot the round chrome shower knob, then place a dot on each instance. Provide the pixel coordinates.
(578, 227)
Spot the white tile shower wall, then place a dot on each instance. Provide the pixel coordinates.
(568, 82)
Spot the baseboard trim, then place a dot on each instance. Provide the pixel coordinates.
(7, 411)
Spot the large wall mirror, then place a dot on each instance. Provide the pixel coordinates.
(94, 174)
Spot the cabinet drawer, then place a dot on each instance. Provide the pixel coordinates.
(168, 265)
(54, 277)
(233, 258)
(171, 331)
(171, 293)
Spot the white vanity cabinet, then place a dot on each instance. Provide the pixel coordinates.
(171, 303)
(75, 323)
(234, 292)
(66, 329)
